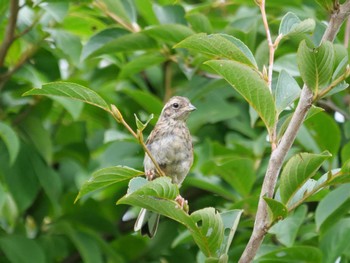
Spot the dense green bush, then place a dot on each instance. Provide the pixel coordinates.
(74, 73)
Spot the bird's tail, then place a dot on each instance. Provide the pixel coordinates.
(147, 222)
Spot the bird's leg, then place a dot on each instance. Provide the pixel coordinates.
(150, 175)
(183, 204)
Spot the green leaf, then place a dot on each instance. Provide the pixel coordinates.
(211, 184)
(238, 172)
(140, 63)
(68, 43)
(170, 14)
(210, 226)
(305, 254)
(140, 125)
(285, 120)
(230, 220)
(148, 101)
(23, 189)
(250, 85)
(29, 249)
(287, 91)
(219, 45)
(72, 91)
(296, 172)
(217, 109)
(200, 22)
(286, 230)
(39, 136)
(326, 4)
(124, 43)
(49, 180)
(277, 210)
(340, 177)
(326, 139)
(74, 108)
(341, 60)
(145, 9)
(292, 25)
(124, 9)
(10, 138)
(100, 39)
(316, 64)
(333, 207)
(87, 245)
(58, 10)
(107, 177)
(159, 195)
(335, 241)
(169, 33)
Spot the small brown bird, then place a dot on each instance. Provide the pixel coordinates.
(170, 144)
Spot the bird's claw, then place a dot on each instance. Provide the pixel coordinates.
(150, 175)
(182, 202)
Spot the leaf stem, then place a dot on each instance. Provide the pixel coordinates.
(333, 84)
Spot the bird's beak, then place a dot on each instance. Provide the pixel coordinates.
(191, 107)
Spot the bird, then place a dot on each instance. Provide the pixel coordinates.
(170, 144)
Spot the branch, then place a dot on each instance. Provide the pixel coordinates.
(25, 56)
(347, 33)
(167, 80)
(278, 155)
(28, 28)
(134, 27)
(338, 16)
(10, 31)
(272, 45)
(119, 118)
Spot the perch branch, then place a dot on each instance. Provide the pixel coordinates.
(119, 118)
(278, 155)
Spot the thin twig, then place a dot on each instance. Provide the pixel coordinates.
(332, 106)
(167, 80)
(272, 45)
(119, 118)
(261, 224)
(25, 56)
(272, 48)
(131, 27)
(28, 28)
(324, 92)
(10, 31)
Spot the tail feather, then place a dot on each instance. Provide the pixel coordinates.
(147, 222)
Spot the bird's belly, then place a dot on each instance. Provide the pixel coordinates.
(174, 155)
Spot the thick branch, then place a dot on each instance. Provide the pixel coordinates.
(278, 155)
(10, 31)
(339, 14)
(261, 224)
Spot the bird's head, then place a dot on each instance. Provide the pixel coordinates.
(177, 108)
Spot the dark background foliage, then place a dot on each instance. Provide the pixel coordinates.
(124, 50)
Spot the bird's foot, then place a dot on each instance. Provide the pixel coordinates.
(150, 175)
(183, 204)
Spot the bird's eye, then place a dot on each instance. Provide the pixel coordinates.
(175, 105)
